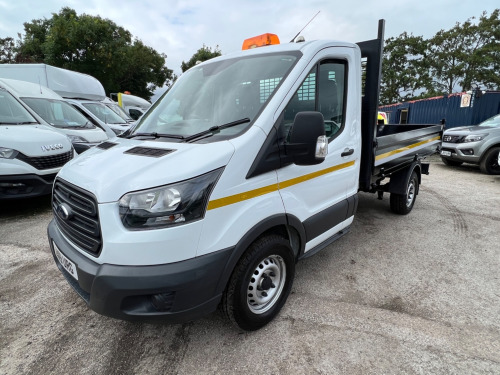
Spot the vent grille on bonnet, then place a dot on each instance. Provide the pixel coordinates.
(148, 151)
(106, 145)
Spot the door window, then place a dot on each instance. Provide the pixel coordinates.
(323, 91)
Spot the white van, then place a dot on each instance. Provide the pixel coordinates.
(82, 91)
(101, 113)
(56, 112)
(31, 153)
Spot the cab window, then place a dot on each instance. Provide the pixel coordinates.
(323, 90)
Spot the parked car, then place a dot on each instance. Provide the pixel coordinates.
(82, 91)
(479, 144)
(52, 109)
(31, 153)
(101, 113)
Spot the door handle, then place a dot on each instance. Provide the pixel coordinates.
(347, 152)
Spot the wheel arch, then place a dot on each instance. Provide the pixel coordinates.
(284, 225)
(485, 152)
(399, 180)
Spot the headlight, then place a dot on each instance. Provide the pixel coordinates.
(8, 153)
(168, 205)
(77, 139)
(474, 138)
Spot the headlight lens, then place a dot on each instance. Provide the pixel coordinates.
(474, 138)
(8, 153)
(168, 205)
(77, 139)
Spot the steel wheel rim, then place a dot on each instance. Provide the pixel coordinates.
(266, 284)
(410, 194)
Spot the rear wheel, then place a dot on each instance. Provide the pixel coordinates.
(452, 163)
(260, 283)
(489, 164)
(402, 204)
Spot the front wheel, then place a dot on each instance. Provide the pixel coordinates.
(260, 283)
(402, 204)
(490, 162)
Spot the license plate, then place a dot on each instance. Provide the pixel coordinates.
(446, 153)
(67, 264)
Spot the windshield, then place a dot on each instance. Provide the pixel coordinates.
(12, 112)
(218, 93)
(103, 113)
(119, 111)
(58, 113)
(491, 122)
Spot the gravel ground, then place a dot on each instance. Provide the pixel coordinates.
(416, 294)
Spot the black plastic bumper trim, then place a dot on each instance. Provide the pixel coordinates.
(123, 292)
(35, 185)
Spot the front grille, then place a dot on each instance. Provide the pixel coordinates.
(47, 162)
(452, 138)
(148, 151)
(80, 222)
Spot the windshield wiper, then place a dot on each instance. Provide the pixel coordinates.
(155, 135)
(209, 132)
(19, 123)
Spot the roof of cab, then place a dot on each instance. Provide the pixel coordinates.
(23, 89)
(306, 48)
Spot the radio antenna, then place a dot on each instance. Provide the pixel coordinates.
(291, 41)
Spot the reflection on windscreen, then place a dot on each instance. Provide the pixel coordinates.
(119, 111)
(218, 93)
(494, 121)
(103, 113)
(12, 112)
(57, 113)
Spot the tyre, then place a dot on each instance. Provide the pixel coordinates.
(260, 283)
(402, 204)
(452, 163)
(489, 163)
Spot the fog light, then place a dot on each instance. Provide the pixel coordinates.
(468, 151)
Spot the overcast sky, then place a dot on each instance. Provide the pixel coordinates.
(180, 28)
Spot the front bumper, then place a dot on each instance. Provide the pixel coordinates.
(25, 185)
(175, 292)
(464, 152)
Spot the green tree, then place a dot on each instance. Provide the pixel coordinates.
(404, 69)
(466, 55)
(98, 47)
(7, 52)
(203, 54)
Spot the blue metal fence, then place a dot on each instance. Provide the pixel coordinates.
(433, 110)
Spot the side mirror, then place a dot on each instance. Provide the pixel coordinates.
(308, 143)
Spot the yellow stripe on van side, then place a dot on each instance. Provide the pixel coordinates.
(226, 201)
(310, 176)
(406, 148)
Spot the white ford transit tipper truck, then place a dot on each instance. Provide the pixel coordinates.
(249, 163)
(30, 153)
(51, 108)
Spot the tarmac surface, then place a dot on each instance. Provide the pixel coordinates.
(415, 294)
